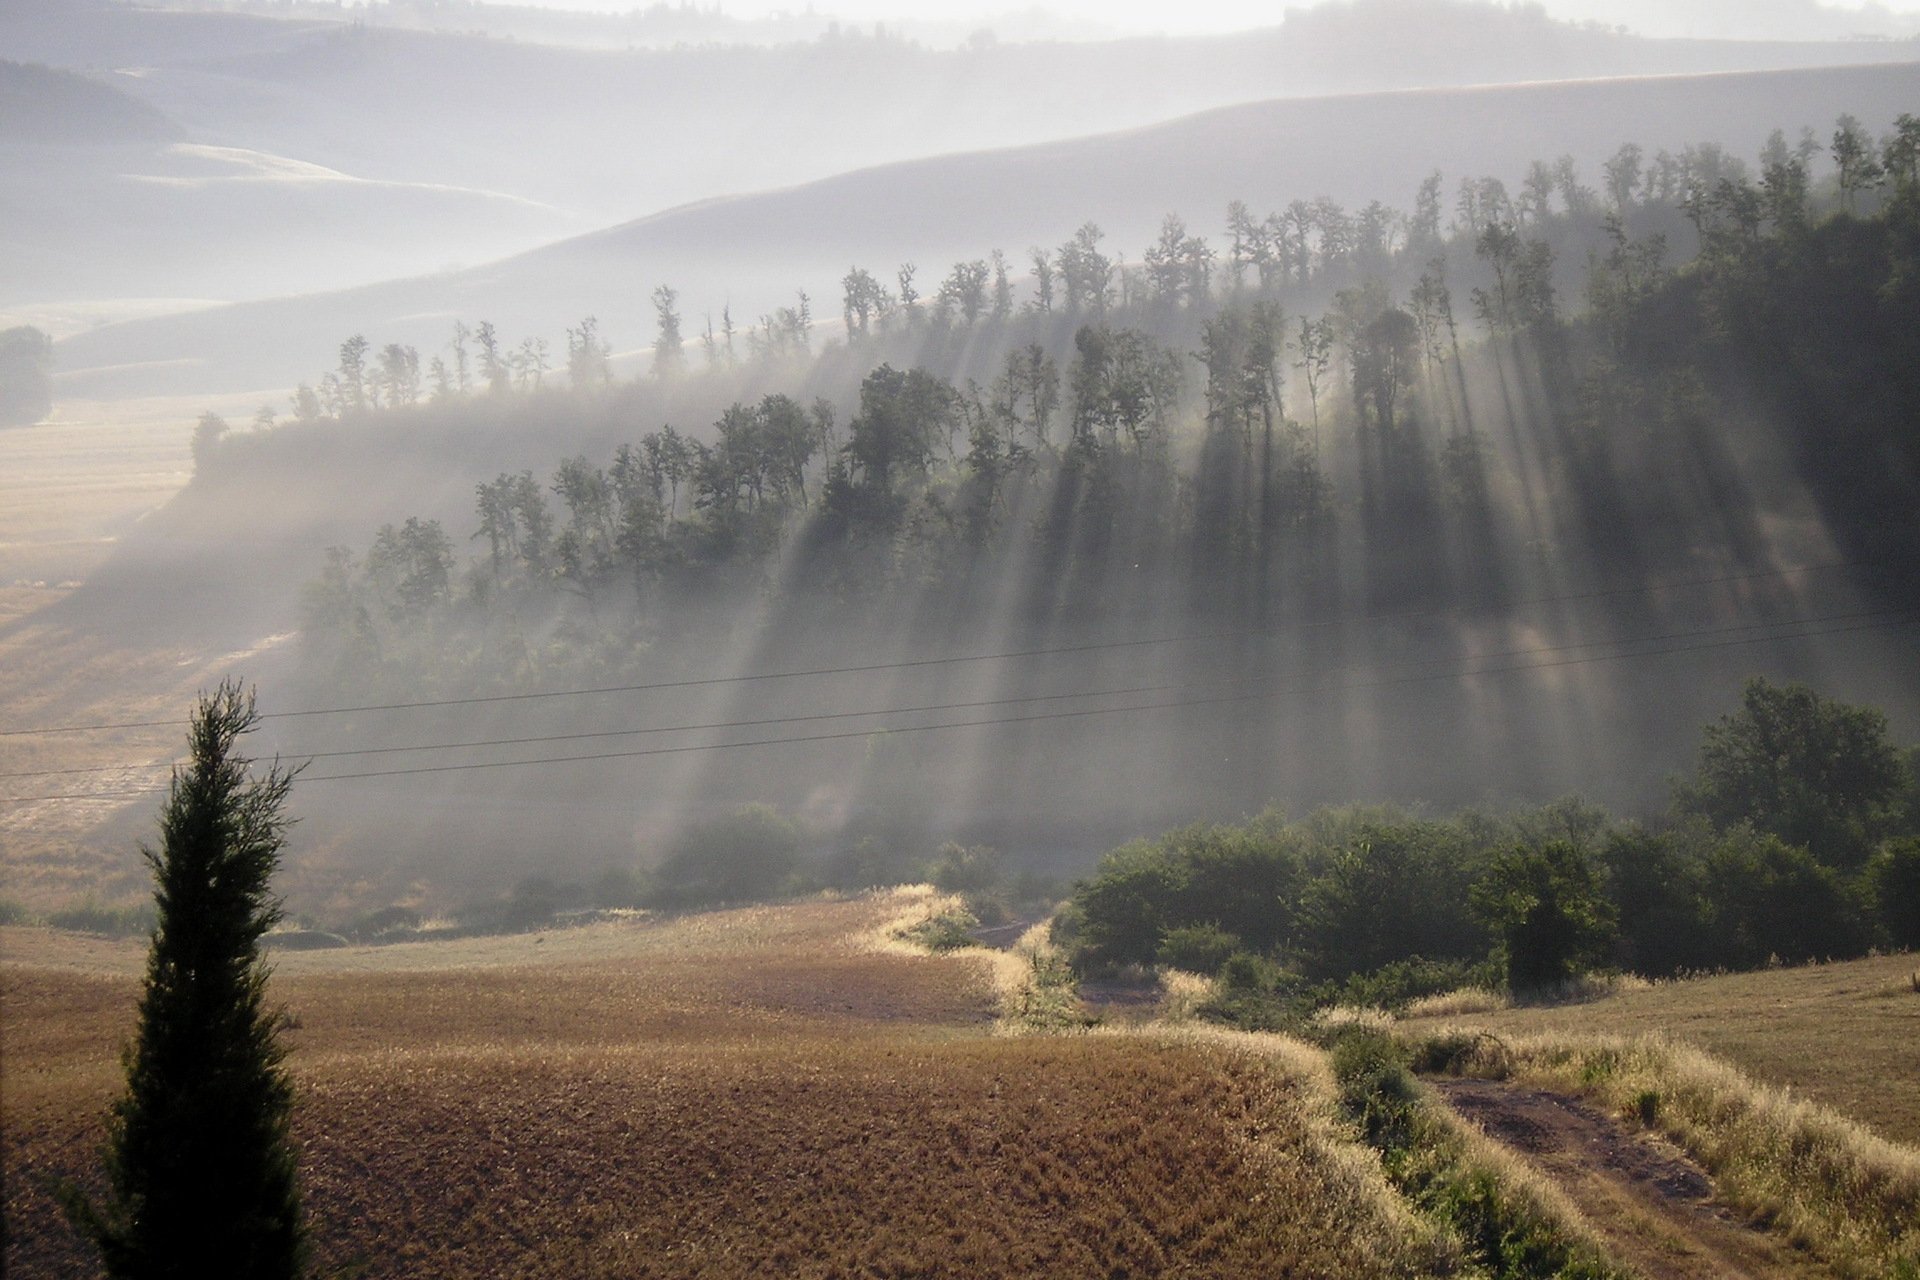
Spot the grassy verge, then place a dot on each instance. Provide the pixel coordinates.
(1851, 1197)
(1037, 988)
(1508, 1221)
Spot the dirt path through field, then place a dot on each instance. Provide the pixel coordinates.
(1654, 1206)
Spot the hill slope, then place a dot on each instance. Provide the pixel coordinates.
(753, 251)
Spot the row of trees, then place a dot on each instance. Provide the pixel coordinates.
(1311, 246)
(1797, 837)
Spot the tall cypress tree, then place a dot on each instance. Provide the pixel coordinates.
(199, 1161)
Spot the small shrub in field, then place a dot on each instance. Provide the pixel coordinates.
(961, 868)
(948, 931)
(1402, 983)
(1256, 994)
(90, 916)
(12, 912)
(1197, 948)
(383, 923)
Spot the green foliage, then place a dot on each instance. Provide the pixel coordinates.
(1545, 903)
(948, 931)
(1502, 1228)
(1819, 774)
(748, 855)
(868, 863)
(200, 1162)
(383, 924)
(1255, 994)
(1893, 878)
(1396, 890)
(1198, 948)
(961, 868)
(1657, 886)
(1394, 986)
(1242, 880)
(618, 889)
(1768, 900)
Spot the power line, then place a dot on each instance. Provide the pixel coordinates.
(1084, 713)
(983, 703)
(910, 664)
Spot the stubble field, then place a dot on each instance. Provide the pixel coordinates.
(746, 1093)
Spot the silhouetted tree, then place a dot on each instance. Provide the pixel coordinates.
(200, 1165)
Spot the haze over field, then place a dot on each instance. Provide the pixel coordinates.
(320, 176)
(742, 576)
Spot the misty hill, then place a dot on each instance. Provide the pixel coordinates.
(754, 251)
(605, 135)
(43, 105)
(588, 129)
(180, 219)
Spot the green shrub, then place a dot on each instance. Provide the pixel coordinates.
(749, 855)
(1893, 880)
(91, 916)
(1256, 994)
(383, 923)
(961, 868)
(1197, 948)
(948, 931)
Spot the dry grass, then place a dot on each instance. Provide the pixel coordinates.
(1839, 1034)
(1181, 995)
(1828, 1183)
(1454, 1004)
(1345, 1017)
(744, 1093)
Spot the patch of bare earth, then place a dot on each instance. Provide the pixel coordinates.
(1652, 1205)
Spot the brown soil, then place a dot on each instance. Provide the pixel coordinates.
(1652, 1205)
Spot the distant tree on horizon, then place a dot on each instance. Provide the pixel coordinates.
(26, 376)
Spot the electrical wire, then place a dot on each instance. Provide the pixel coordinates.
(1902, 620)
(982, 703)
(910, 664)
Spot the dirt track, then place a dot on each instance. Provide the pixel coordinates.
(1654, 1206)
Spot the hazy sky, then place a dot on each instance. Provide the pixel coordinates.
(1766, 18)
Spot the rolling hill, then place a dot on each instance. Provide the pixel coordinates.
(754, 251)
(600, 136)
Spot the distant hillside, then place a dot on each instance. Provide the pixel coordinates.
(43, 105)
(120, 219)
(617, 133)
(754, 251)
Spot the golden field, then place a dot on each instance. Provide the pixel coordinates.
(1845, 1035)
(744, 1093)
